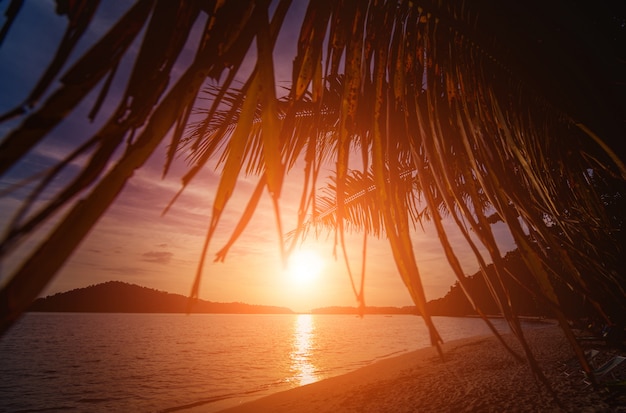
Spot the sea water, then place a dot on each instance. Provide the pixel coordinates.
(175, 362)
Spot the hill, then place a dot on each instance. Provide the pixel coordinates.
(519, 285)
(121, 297)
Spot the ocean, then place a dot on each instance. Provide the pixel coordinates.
(83, 362)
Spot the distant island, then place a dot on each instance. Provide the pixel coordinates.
(407, 310)
(121, 297)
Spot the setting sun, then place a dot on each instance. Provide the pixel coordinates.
(304, 266)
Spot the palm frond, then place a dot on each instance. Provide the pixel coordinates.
(477, 100)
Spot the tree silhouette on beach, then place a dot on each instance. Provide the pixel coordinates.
(470, 111)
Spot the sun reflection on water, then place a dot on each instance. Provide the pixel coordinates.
(302, 350)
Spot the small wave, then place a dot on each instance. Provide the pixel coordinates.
(46, 409)
(95, 400)
(208, 401)
(393, 353)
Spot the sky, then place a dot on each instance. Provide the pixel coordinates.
(135, 243)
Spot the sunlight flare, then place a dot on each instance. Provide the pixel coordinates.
(304, 266)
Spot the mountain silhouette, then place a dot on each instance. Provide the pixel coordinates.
(121, 297)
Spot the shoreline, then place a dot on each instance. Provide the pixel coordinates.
(478, 375)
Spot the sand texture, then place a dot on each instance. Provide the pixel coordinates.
(478, 375)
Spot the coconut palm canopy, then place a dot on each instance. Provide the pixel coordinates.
(470, 111)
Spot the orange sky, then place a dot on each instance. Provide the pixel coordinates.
(134, 243)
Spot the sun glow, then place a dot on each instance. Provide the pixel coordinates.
(304, 266)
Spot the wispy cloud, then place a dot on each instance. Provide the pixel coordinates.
(159, 257)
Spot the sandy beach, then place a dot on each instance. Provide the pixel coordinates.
(478, 375)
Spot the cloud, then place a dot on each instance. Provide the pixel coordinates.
(125, 270)
(159, 257)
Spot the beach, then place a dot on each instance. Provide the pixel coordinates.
(478, 375)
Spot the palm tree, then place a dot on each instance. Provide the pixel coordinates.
(470, 110)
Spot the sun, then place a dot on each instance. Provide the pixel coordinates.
(304, 266)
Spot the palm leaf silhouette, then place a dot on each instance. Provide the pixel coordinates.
(486, 104)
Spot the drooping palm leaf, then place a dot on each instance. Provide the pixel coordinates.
(479, 99)
(135, 107)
